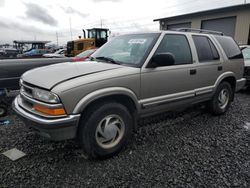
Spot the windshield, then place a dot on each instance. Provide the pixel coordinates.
(128, 49)
(246, 53)
(86, 53)
(92, 34)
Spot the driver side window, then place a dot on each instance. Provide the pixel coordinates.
(177, 45)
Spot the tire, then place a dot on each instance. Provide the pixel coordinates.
(3, 110)
(106, 129)
(222, 99)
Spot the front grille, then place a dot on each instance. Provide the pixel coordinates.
(247, 71)
(27, 90)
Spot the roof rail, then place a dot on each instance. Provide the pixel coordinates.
(199, 31)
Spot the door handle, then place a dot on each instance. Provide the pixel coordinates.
(220, 68)
(193, 71)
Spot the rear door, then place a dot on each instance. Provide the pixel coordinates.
(209, 65)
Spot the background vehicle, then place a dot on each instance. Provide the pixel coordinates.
(34, 53)
(130, 77)
(246, 53)
(11, 71)
(8, 53)
(57, 54)
(84, 55)
(96, 38)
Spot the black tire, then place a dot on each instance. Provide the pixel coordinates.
(215, 106)
(3, 110)
(95, 116)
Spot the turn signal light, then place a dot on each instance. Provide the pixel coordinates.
(48, 111)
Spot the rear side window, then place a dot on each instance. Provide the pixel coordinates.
(230, 47)
(177, 45)
(205, 49)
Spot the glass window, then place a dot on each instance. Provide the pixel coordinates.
(130, 49)
(103, 34)
(230, 47)
(92, 34)
(205, 49)
(246, 53)
(177, 45)
(214, 50)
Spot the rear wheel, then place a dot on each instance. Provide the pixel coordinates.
(105, 130)
(222, 99)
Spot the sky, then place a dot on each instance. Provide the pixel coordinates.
(52, 19)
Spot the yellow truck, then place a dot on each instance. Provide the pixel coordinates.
(96, 38)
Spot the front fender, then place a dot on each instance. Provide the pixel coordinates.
(91, 97)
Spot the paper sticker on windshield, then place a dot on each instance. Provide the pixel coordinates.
(137, 41)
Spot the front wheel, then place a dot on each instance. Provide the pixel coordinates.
(222, 99)
(105, 129)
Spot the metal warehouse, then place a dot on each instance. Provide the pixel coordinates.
(233, 21)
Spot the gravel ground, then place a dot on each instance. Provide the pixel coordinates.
(182, 149)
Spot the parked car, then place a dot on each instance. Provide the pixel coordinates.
(11, 71)
(57, 54)
(246, 53)
(84, 55)
(133, 76)
(8, 53)
(34, 53)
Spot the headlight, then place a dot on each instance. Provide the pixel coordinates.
(20, 82)
(45, 96)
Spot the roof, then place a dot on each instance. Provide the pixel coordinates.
(205, 12)
(98, 28)
(30, 41)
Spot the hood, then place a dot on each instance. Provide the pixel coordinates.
(49, 76)
(247, 62)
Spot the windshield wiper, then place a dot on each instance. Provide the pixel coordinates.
(108, 59)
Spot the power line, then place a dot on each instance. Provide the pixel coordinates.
(132, 22)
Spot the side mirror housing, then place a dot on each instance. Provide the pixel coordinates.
(161, 60)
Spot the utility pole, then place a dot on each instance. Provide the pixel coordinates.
(245, 1)
(101, 23)
(70, 27)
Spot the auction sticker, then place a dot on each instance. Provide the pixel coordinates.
(137, 41)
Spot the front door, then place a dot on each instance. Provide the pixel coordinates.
(162, 86)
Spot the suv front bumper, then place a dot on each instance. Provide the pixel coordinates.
(248, 81)
(240, 84)
(54, 129)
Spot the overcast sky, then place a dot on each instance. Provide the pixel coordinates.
(41, 20)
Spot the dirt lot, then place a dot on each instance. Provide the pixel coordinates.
(184, 149)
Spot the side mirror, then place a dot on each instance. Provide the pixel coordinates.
(161, 60)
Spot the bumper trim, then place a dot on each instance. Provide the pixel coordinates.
(240, 84)
(54, 129)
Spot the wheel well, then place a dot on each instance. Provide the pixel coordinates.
(231, 80)
(122, 99)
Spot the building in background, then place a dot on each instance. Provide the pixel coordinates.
(233, 21)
